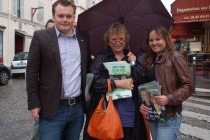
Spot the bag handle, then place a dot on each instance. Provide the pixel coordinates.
(109, 85)
(102, 103)
(110, 102)
(101, 106)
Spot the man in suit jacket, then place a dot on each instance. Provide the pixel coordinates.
(56, 75)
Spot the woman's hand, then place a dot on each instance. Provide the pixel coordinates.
(89, 96)
(144, 109)
(161, 100)
(131, 57)
(125, 83)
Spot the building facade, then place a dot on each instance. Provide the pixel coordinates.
(20, 18)
(18, 21)
(191, 24)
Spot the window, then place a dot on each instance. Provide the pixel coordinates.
(1, 44)
(18, 8)
(22, 8)
(0, 5)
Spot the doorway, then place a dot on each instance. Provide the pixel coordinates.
(19, 39)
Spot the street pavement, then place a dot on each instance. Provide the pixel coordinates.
(16, 122)
(196, 119)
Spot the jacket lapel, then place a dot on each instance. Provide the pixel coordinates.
(53, 41)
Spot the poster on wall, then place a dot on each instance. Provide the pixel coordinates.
(195, 46)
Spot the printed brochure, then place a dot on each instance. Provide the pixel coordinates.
(147, 92)
(118, 70)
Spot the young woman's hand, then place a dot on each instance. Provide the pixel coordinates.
(161, 100)
(144, 109)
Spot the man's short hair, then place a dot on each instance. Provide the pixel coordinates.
(64, 3)
(49, 21)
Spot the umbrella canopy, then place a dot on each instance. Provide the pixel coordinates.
(137, 15)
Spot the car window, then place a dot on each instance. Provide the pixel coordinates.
(22, 56)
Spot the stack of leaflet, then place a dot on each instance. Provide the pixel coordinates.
(118, 70)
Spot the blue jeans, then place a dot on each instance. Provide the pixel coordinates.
(166, 131)
(67, 122)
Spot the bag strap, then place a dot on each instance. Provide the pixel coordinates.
(102, 105)
(109, 85)
(110, 102)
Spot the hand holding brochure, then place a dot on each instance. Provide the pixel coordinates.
(147, 92)
(118, 70)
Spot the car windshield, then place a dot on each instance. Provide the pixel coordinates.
(21, 56)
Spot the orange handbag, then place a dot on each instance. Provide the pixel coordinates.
(105, 122)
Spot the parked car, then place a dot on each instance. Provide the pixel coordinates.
(19, 63)
(5, 74)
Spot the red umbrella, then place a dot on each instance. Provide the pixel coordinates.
(137, 15)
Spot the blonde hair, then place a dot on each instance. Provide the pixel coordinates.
(116, 28)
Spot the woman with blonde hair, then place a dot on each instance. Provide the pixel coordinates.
(116, 38)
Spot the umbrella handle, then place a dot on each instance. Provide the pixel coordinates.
(132, 63)
(133, 70)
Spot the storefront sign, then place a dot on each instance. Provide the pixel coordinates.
(192, 17)
(190, 10)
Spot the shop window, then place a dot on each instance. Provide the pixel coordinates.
(18, 8)
(1, 44)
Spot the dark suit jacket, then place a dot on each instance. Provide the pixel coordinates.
(44, 74)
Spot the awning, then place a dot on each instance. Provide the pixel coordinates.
(190, 10)
(187, 29)
(22, 33)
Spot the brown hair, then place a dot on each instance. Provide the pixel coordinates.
(49, 21)
(64, 3)
(149, 54)
(116, 28)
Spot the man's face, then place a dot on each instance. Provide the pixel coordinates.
(64, 19)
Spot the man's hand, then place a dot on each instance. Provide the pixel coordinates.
(35, 113)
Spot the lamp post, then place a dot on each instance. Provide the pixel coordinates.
(33, 11)
(194, 71)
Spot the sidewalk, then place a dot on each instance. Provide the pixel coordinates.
(202, 86)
